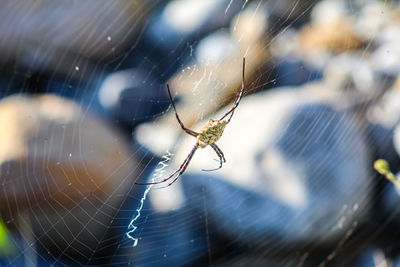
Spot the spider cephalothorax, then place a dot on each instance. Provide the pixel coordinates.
(208, 135)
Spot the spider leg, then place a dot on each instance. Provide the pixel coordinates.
(192, 133)
(179, 171)
(238, 98)
(184, 167)
(220, 155)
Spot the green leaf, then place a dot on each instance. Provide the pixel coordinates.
(382, 166)
(6, 243)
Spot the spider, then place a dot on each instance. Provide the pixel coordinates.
(208, 135)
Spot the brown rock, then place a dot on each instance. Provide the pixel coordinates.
(204, 88)
(337, 36)
(66, 169)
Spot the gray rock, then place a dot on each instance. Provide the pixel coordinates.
(384, 119)
(391, 200)
(53, 32)
(373, 257)
(396, 139)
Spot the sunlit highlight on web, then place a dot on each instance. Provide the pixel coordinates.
(158, 173)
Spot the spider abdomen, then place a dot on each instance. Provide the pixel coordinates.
(211, 132)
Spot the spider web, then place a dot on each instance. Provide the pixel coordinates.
(88, 54)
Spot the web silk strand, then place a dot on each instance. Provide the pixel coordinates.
(158, 173)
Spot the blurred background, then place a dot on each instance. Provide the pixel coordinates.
(84, 114)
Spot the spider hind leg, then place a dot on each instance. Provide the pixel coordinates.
(221, 158)
(178, 172)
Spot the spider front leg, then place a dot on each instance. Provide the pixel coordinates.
(238, 98)
(188, 131)
(220, 155)
(179, 171)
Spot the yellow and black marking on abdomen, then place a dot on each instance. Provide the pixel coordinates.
(211, 132)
